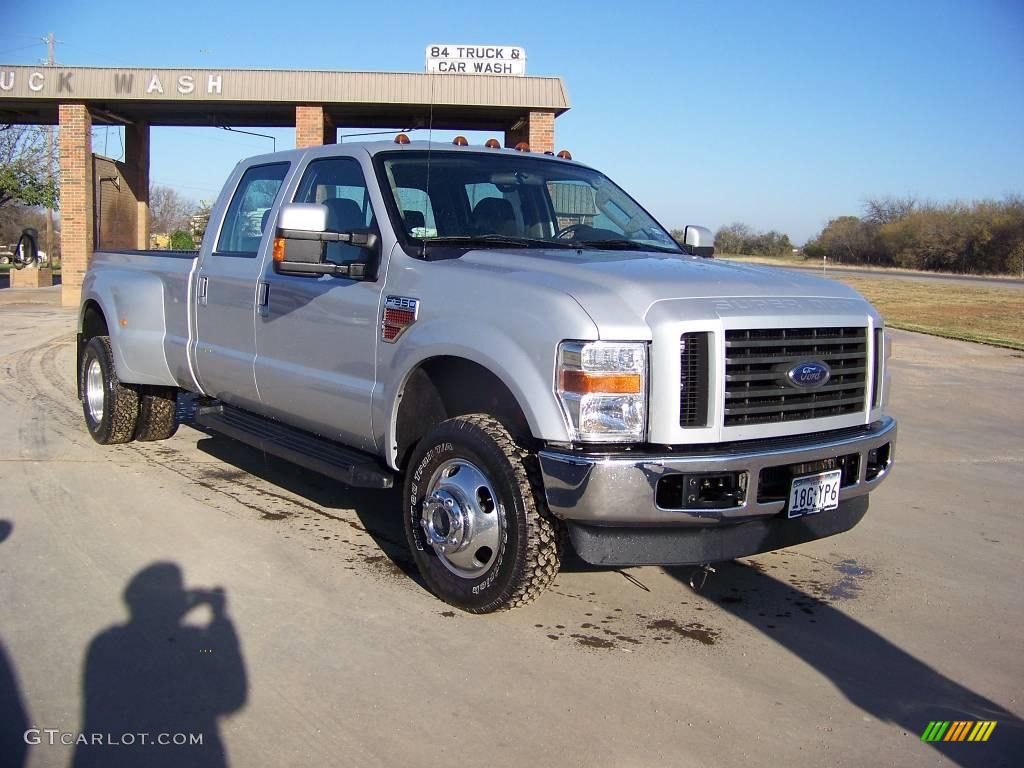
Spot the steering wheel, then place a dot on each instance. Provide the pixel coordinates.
(570, 230)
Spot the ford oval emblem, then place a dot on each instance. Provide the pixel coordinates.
(809, 374)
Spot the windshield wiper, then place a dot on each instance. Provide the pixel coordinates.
(624, 245)
(494, 239)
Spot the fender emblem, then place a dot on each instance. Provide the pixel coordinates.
(399, 313)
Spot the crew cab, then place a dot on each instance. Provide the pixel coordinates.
(515, 342)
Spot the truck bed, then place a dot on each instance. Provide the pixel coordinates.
(149, 289)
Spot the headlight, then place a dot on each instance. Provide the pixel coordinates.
(602, 387)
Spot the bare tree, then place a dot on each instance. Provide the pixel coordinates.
(169, 211)
(885, 210)
(24, 177)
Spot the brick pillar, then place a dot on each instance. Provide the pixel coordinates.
(313, 127)
(76, 199)
(537, 129)
(136, 158)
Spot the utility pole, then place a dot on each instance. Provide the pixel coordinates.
(49, 163)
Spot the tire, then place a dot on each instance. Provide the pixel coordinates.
(111, 408)
(479, 480)
(157, 414)
(5, 260)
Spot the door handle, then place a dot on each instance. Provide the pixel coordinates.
(263, 298)
(201, 289)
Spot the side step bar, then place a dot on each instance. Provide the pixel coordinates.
(348, 465)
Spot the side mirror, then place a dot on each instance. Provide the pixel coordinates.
(300, 243)
(698, 241)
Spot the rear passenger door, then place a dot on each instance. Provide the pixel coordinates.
(316, 336)
(226, 285)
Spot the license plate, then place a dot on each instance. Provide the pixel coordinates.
(811, 494)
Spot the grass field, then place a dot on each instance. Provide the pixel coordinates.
(974, 313)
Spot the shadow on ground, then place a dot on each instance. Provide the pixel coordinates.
(13, 718)
(159, 682)
(379, 512)
(880, 678)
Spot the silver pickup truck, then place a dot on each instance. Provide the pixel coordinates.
(514, 339)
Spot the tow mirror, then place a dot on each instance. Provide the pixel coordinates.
(301, 239)
(698, 241)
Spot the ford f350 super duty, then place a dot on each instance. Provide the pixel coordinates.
(515, 342)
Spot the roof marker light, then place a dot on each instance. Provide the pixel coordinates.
(522, 146)
(564, 155)
(492, 144)
(401, 139)
(460, 141)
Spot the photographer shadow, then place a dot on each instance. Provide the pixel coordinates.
(874, 674)
(13, 718)
(155, 687)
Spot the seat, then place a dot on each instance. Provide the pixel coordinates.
(343, 215)
(494, 216)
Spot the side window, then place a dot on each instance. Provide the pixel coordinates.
(338, 183)
(249, 210)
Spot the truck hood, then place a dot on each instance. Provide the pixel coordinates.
(619, 289)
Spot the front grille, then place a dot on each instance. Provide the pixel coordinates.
(693, 389)
(756, 361)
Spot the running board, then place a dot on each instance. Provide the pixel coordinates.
(348, 465)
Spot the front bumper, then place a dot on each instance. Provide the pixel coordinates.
(620, 489)
(610, 501)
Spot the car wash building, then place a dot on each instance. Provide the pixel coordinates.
(459, 92)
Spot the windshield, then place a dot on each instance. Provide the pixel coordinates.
(501, 201)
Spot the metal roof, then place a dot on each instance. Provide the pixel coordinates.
(268, 96)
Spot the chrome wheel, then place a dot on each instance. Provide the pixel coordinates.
(462, 519)
(94, 390)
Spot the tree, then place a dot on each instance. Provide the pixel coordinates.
(24, 176)
(168, 210)
(181, 241)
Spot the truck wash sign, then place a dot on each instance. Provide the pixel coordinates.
(476, 59)
(58, 82)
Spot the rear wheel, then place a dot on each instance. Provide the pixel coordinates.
(111, 408)
(157, 413)
(475, 517)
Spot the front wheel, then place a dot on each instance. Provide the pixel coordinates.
(475, 520)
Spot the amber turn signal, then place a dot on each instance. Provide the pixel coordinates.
(584, 383)
(278, 249)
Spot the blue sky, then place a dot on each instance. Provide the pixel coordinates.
(781, 115)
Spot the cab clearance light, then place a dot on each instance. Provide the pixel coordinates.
(460, 141)
(522, 146)
(564, 155)
(584, 383)
(492, 144)
(401, 139)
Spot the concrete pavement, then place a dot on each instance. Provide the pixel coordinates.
(838, 652)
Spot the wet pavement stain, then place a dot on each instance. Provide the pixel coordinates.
(693, 631)
(590, 641)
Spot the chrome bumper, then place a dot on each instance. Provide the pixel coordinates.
(619, 489)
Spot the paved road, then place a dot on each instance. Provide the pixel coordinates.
(885, 274)
(328, 653)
